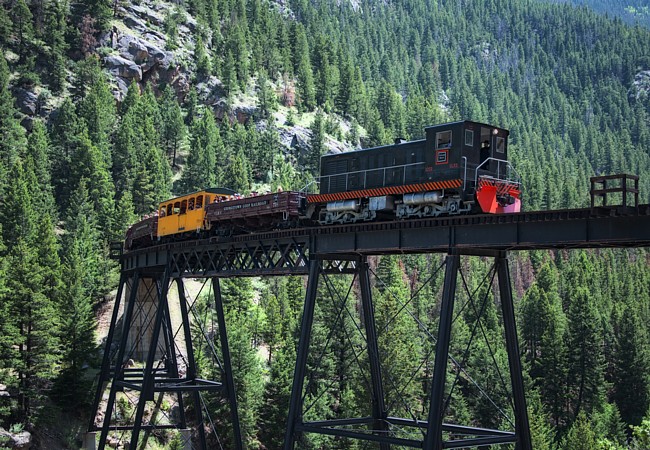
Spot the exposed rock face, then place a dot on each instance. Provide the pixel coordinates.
(123, 67)
(16, 441)
(641, 85)
(26, 101)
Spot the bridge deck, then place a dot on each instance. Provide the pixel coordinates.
(287, 251)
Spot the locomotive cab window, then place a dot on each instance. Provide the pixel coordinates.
(177, 208)
(190, 204)
(469, 138)
(443, 139)
(199, 202)
(170, 209)
(183, 207)
(501, 145)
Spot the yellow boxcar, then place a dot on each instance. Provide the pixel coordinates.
(186, 214)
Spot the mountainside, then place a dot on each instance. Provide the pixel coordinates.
(108, 107)
(632, 12)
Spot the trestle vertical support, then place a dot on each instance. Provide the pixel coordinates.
(522, 425)
(227, 366)
(295, 403)
(148, 377)
(106, 359)
(191, 363)
(433, 440)
(119, 361)
(161, 372)
(379, 412)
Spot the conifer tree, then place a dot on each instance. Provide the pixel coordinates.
(586, 362)
(317, 143)
(98, 110)
(77, 325)
(581, 435)
(38, 160)
(203, 167)
(12, 134)
(82, 226)
(173, 128)
(22, 21)
(89, 164)
(631, 367)
(238, 173)
(31, 310)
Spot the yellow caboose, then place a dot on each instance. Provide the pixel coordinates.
(186, 214)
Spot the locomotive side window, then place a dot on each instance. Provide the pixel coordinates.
(501, 145)
(170, 209)
(199, 202)
(163, 211)
(177, 208)
(443, 139)
(469, 138)
(190, 204)
(183, 207)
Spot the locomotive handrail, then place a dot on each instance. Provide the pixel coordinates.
(509, 167)
(312, 182)
(365, 172)
(465, 174)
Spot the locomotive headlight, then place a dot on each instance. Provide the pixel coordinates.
(495, 132)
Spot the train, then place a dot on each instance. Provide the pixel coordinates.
(459, 168)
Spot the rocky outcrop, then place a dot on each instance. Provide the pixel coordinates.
(123, 67)
(641, 85)
(26, 101)
(16, 441)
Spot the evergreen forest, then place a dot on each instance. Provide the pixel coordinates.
(87, 149)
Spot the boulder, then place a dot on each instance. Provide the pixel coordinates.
(123, 67)
(16, 441)
(26, 101)
(143, 53)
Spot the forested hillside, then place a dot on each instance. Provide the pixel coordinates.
(108, 107)
(632, 12)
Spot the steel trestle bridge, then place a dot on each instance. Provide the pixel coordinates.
(320, 253)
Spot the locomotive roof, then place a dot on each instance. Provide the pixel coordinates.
(442, 125)
(221, 191)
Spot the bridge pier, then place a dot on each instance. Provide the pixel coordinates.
(139, 393)
(437, 434)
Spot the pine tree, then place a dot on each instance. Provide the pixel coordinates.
(173, 129)
(203, 167)
(238, 173)
(22, 20)
(275, 407)
(55, 29)
(38, 161)
(12, 135)
(98, 110)
(317, 143)
(631, 368)
(89, 164)
(31, 310)
(266, 98)
(82, 226)
(581, 435)
(586, 362)
(77, 325)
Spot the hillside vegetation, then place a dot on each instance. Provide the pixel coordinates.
(106, 108)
